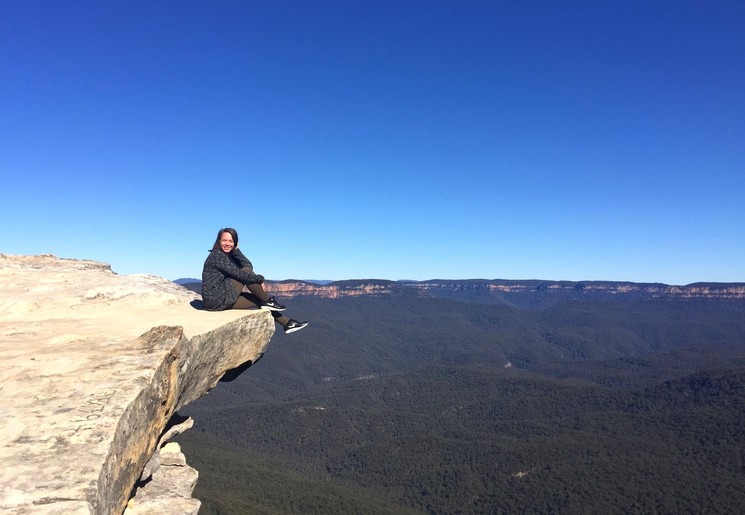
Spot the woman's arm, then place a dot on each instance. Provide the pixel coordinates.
(225, 265)
(243, 261)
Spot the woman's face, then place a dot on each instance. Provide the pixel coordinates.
(226, 242)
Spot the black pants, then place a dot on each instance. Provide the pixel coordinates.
(252, 299)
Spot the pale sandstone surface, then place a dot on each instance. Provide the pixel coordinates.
(169, 490)
(92, 367)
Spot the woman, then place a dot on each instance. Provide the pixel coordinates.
(226, 271)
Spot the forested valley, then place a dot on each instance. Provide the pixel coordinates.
(416, 405)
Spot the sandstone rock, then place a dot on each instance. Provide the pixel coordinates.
(169, 489)
(171, 455)
(93, 366)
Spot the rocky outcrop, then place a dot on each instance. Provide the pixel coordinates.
(93, 367)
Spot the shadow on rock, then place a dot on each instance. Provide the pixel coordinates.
(233, 373)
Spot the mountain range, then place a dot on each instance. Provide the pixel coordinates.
(525, 294)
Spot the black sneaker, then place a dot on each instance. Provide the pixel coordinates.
(272, 305)
(294, 325)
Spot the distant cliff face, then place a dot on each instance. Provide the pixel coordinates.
(521, 293)
(93, 366)
(332, 290)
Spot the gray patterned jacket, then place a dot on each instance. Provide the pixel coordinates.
(218, 292)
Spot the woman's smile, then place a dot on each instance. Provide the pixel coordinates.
(226, 242)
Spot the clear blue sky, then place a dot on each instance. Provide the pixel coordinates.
(597, 140)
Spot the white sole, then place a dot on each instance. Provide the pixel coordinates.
(269, 308)
(296, 328)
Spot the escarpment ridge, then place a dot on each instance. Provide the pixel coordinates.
(521, 293)
(93, 367)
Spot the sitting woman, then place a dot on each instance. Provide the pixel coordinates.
(226, 272)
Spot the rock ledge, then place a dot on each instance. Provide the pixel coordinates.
(93, 366)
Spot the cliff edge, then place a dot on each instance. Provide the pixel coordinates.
(93, 367)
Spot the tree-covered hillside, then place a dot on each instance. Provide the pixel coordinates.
(435, 406)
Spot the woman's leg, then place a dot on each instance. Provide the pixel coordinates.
(245, 300)
(258, 290)
(249, 300)
(280, 318)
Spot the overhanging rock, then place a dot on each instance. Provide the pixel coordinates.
(92, 367)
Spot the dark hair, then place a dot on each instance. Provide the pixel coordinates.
(232, 232)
